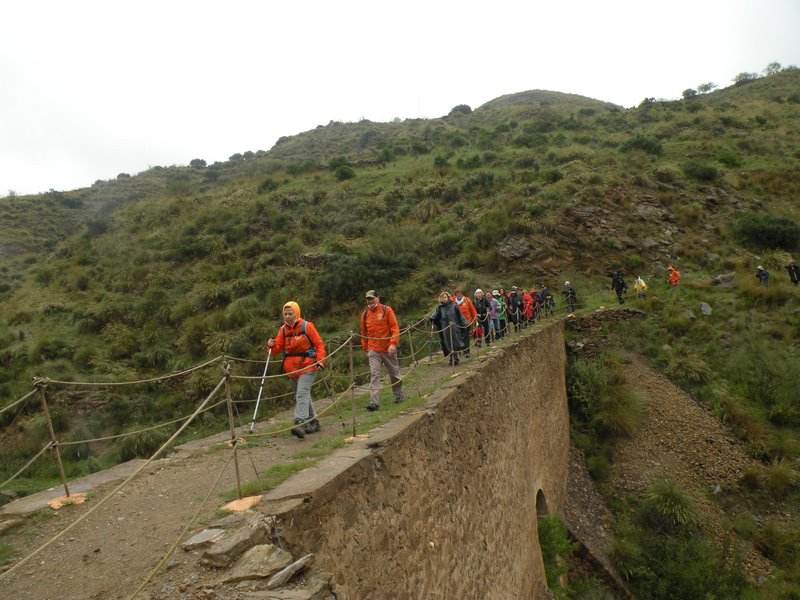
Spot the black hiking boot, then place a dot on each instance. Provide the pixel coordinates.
(312, 426)
(373, 406)
(297, 431)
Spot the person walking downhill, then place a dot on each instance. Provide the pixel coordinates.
(449, 320)
(794, 271)
(304, 355)
(467, 309)
(380, 336)
(762, 275)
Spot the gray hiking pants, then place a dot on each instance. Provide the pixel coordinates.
(392, 366)
(303, 407)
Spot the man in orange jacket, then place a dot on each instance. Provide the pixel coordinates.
(380, 336)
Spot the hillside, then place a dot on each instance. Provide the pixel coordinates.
(161, 270)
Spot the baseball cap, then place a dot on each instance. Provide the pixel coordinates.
(371, 294)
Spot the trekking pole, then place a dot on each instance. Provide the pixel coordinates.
(430, 345)
(260, 389)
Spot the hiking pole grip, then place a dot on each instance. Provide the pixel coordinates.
(260, 389)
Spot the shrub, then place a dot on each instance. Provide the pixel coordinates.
(729, 158)
(344, 173)
(142, 444)
(767, 231)
(551, 175)
(779, 478)
(646, 144)
(473, 162)
(666, 507)
(556, 548)
(700, 171)
(267, 185)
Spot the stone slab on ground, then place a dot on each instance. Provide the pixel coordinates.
(259, 562)
(30, 504)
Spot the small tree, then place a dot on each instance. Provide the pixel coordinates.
(772, 68)
(689, 93)
(463, 109)
(197, 163)
(704, 88)
(744, 77)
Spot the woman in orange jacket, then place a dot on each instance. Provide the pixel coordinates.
(467, 309)
(304, 354)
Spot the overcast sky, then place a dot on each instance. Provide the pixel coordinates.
(91, 89)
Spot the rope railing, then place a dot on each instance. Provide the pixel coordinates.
(137, 381)
(20, 401)
(116, 490)
(28, 464)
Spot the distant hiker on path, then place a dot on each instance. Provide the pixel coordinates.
(303, 349)
(514, 308)
(494, 316)
(762, 275)
(640, 287)
(618, 285)
(500, 296)
(674, 277)
(570, 297)
(794, 272)
(380, 336)
(447, 318)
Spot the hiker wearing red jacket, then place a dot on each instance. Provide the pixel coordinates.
(380, 336)
(305, 353)
(467, 309)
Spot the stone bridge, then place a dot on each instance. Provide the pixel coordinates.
(443, 503)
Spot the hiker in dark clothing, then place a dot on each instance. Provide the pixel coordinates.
(794, 272)
(618, 285)
(515, 308)
(447, 318)
(570, 296)
(762, 275)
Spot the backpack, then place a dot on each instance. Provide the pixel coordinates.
(364, 318)
(310, 353)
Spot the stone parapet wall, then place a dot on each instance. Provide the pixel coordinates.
(445, 505)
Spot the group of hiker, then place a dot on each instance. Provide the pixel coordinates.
(458, 319)
(763, 275)
(639, 286)
(487, 317)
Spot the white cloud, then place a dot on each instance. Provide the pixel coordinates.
(91, 89)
